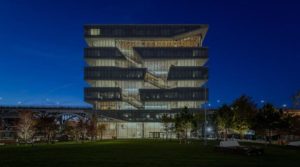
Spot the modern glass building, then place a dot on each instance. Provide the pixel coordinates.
(137, 73)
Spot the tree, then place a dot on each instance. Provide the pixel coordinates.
(268, 119)
(295, 127)
(167, 122)
(25, 126)
(69, 129)
(197, 122)
(101, 128)
(296, 99)
(92, 127)
(81, 129)
(244, 110)
(183, 124)
(286, 124)
(47, 125)
(223, 119)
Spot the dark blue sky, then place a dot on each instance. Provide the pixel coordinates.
(254, 45)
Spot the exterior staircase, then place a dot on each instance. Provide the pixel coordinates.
(133, 101)
(129, 55)
(156, 81)
(135, 61)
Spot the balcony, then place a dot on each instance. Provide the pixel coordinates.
(175, 94)
(143, 115)
(102, 94)
(103, 53)
(142, 30)
(172, 52)
(187, 73)
(114, 73)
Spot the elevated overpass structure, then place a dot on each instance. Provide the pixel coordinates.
(125, 124)
(9, 116)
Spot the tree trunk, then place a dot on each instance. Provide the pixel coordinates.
(271, 134)
(268, 135)
(241, 135)
(82, 140)
(186, 135)
(166, 134)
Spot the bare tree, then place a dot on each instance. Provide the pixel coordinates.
(101, 128)
(92, 127)
(47, 125)
(81, 129)
(25, 126)
(69, 129)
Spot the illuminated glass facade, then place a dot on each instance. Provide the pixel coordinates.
(138, 72)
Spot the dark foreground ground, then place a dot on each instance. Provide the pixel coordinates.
(139, 153)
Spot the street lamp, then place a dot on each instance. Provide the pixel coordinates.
(262, 102)
(208, 129)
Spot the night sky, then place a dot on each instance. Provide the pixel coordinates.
(254, 46)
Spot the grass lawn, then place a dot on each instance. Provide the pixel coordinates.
(141, 153)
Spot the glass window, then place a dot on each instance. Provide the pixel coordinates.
(95, 31)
